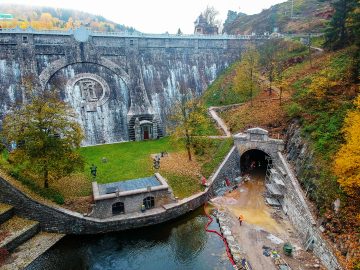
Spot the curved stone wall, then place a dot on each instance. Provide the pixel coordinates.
(57, 219)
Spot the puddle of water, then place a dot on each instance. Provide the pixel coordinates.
(250, 203)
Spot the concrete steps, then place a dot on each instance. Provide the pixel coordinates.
(16, 231)
(28, 252)
(6, 212)
(21, 237)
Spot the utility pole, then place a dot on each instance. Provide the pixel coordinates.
(309, 48)
(292, 9)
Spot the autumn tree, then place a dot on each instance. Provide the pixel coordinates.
(188, 117)
(269, 60)
(47, 137)
(210, 14)
(346, 164)
(250, 61)
(271, 55)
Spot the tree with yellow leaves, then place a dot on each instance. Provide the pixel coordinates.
(347, 160)
(322, 83)
(47, 137)
(187, 118)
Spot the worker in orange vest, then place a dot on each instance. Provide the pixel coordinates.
(241, 218)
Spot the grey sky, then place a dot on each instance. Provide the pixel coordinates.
(154, 16)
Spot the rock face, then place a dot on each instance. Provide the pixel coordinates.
(110, 80)
(300, 155)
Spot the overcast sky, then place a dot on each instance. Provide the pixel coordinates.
(154, 16)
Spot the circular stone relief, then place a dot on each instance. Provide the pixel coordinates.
(88, 88)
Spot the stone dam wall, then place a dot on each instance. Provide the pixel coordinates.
(109, 79)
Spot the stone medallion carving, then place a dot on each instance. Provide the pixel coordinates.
(89, 89)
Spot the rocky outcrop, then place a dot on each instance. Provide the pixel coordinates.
(300, 155)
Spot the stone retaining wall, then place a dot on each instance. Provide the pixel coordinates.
(57, 219)
(295, 206)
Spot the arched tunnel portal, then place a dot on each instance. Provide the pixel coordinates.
(254, 160)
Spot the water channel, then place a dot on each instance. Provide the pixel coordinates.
(179, 244)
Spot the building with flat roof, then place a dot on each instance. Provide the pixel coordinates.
(130, 196)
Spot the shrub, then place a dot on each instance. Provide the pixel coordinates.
(294, 109)
(47, 193)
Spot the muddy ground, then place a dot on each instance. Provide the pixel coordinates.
(263, 226)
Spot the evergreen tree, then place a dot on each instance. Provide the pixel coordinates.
(339, 33)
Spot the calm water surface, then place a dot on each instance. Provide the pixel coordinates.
(181, 244)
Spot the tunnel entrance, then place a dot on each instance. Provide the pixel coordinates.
(254, 161)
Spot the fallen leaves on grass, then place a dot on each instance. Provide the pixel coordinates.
(265, 113)
(81, 204)
(182, 175)
(75, 185)
(179, 163)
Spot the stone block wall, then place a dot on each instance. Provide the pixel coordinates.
(230, 168)
(295, 206)
(132, 203)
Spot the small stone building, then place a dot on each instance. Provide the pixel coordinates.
(144, 127)
(128, 196)
(202, 27)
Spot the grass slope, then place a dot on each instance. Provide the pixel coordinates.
(124, 160)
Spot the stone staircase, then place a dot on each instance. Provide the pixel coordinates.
(275, 187)
(23, 239)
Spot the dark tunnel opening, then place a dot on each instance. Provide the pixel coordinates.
(254, 160)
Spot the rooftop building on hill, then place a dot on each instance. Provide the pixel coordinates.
(202, 27)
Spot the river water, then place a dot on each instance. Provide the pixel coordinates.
(180, 244)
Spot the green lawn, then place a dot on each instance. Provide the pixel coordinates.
(124, 160)
(131, 160)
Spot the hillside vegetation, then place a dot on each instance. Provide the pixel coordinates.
(56, 18)
(324, 99)
(308, 15)
(321, 93)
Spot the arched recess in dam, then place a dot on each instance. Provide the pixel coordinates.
(99, 96)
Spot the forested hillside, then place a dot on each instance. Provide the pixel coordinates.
(320, 92)
(56, 18)
(297, 16)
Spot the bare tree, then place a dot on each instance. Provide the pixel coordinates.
(250, 60)
(210, 14)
